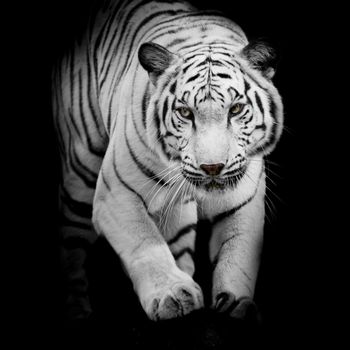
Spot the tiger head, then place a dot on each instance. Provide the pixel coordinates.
(212, 110)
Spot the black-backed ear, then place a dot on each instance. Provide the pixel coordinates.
(261, 56)
(155, 59)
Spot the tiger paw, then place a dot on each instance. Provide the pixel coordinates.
(177, 299)
(242, 309)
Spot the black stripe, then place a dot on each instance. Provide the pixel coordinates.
(247, 133)
(79, 208)
(183, 252)
(197, 51)
(261, 126)
(226, 241)
(109, 116)
(144, 169)
(159, 136)
(194, 77)
(105, 180)
(165, 110)
(64, 221)
(139, 136)
(94, 150)
(185, 230)
(218, 64)
(233, 305)
(119, 27)
(189, 200)
(74, 123)
(201, 70)
(224, 76)
(195, 174)
(108, 24)
(72, 76)
(177, 41)
(183, 145)
(235, 172)
(193, 23)
(230, 212)
(91, 95)
(133, 116)
(272, 136)
(190, 165)
(259, 103)
(172, 87)
(128, 187)
(246, 87)
(197, 56)
(221, 96)
(105, 30)
(60, 139)
(81, 174)
(225, 214)
(174, 125)
(145, 101)
(87, 171)
(252, 79)
(247, 120)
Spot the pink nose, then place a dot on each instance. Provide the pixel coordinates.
(212, 169)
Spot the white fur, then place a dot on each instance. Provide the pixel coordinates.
(139, 215)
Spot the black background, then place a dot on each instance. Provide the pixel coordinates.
(299, 291)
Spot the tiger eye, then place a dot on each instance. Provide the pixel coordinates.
(237, 108)
(185, 112)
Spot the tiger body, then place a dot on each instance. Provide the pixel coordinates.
(141, 174)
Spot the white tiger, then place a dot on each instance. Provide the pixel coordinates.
(164, 115)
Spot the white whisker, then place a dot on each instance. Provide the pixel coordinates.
(172, 203)
(167, 171)
(171, 188)
(167, 183)
(163, 185)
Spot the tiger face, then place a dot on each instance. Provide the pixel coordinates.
(213, 112)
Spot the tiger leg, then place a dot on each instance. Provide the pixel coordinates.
(181, 234)
(164, 290)
(235, 250)
(77, 235)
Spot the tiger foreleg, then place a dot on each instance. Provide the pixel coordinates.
(235, 251)
(164, 290)
(181, 234)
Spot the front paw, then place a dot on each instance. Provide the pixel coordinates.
(177, 298)
(243, 308)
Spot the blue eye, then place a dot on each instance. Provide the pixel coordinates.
(185, 112)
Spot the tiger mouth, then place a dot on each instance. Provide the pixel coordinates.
(215, 183)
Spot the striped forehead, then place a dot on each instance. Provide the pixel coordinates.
(211, 77)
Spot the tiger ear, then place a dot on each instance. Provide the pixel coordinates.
(155, 59)
(261, 56)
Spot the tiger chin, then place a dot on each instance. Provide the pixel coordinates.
(164, 116)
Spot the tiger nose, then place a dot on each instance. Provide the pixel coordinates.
(212, 169)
